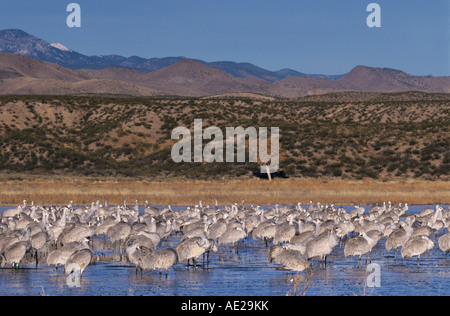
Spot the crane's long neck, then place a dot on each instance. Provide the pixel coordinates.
(84, 243)
(44, 221)
(47, 228)
(33, 212)
(301, 226)
(366, 237)
(118, 219)
(437, 215)
(408, 229)
(26, 235)
(168, 226)
(63, 218)
(317, 231)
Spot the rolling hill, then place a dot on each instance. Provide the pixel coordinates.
(349, 135)
(25, 75)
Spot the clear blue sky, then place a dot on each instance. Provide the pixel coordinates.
(311, 36)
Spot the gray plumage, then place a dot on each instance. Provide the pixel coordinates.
(232, 236)
(77, 234)
(359, 245)
(192, 248)
(321, 246)
(416, 246)
(265, 230)
(78, 261)
(289, 259)
(216, 229)
(59, 257)
(148, 240)
(161, 259)
(399, 237)
(284, 232)
(118, 232)
(15, 252)
(444, 243)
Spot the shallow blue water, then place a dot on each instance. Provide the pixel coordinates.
(242, 272)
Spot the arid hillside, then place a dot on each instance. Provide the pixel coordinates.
(25, 75)
(341, 135)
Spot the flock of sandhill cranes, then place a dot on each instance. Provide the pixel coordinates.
(62, 236)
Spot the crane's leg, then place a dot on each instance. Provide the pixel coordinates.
(37, 260)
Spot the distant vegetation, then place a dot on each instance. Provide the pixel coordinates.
(342, 135)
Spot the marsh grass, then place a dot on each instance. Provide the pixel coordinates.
(307, 279)
(82, 191)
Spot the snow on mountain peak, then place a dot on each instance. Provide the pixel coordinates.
(60, 47)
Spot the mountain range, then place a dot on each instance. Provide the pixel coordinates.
(20, 42)
(29, 65)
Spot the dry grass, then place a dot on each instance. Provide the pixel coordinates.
(60, 190)
(297, 284)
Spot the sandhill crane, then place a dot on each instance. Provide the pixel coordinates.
(294, 261)
(192, 248)
(416, 246)
(119, 232)
(252, 221)
(161, 259)
(274, 252)
(265, 230)
(200, 230)
(277, 252)
(232, 236)
(164, 229)
(39, 242)
(422, 231)
(107, 222)
(59, 257)
(344, 228)
(143, 238)
(285, 231)
(399, 237)
(321, 246)
(133, 253)
(426, 212)
(151, 209)
(289, 258)
(15, 211)
(436, 222)
(77, 234)
(57, 226)
(217, 228)
(306, 234)
(78, 261)
(357, 211)
(14, 253)
(359, 245)
(444, 243)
